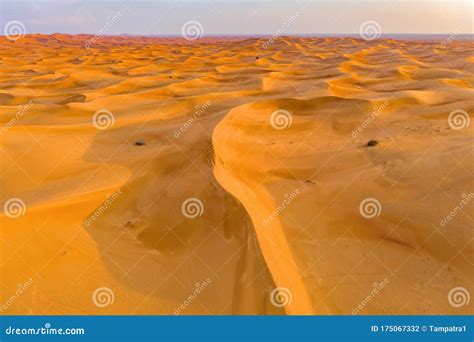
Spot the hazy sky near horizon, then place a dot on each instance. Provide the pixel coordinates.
(238, 16)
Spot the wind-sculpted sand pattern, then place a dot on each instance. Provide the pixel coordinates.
(233, 176)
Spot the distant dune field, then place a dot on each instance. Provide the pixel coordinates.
(235, 176)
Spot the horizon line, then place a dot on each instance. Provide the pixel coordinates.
(253, 35)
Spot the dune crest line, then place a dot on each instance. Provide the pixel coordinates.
(259, 205)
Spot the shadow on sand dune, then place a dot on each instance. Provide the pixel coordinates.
(152, 247)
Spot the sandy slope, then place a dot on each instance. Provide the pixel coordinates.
(280, 206)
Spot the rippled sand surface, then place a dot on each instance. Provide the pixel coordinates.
(222, 177)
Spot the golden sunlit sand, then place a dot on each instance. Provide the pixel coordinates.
(162, 176)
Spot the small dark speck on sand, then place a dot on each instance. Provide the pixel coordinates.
(140, 142)
(372, 143)
(257, 57)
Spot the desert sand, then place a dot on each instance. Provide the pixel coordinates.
(290, 212)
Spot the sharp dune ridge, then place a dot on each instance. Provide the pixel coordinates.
(269, 142)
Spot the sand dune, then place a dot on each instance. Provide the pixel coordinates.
(268, 144)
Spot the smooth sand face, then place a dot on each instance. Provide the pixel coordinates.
(277, 197)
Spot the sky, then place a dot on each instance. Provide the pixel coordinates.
(245, 17)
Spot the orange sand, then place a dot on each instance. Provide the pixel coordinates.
(280, 206)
